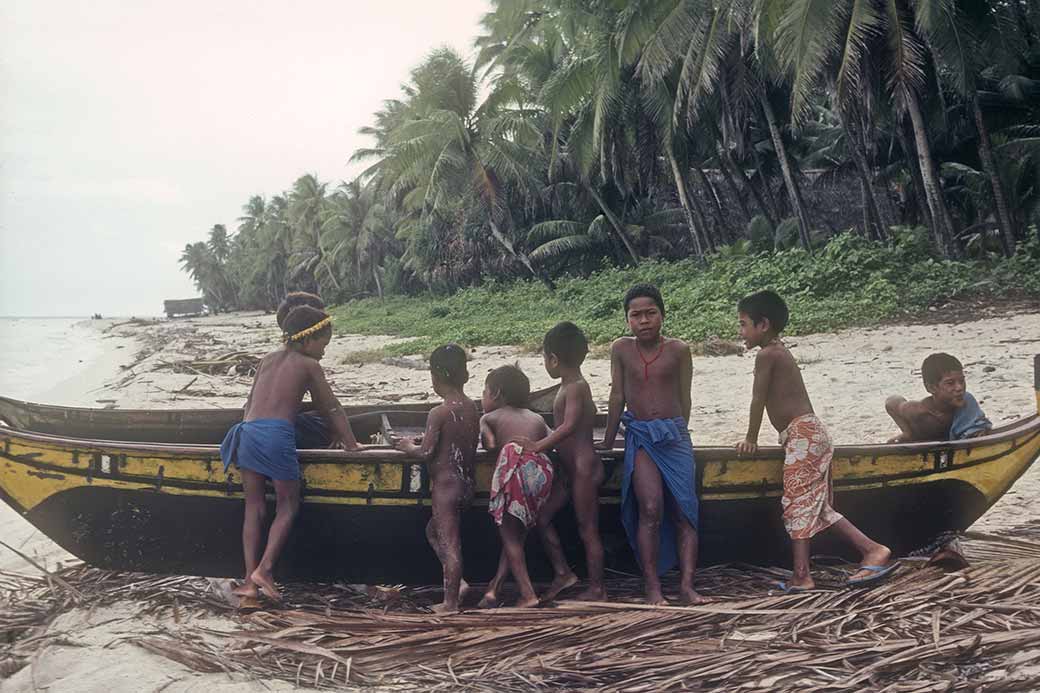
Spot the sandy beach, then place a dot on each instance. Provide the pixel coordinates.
(147, 365)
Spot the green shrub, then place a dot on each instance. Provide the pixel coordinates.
(849, 282)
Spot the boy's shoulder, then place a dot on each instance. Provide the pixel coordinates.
(776, 354)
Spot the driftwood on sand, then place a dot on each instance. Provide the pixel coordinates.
(923, 630)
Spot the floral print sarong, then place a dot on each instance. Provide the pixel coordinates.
(808, 492)
(520, 485)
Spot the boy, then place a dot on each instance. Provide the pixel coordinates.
(948, 413)
(651, 375)
(564, 349)
(808, 493)
(312, 431)
(448, 447)
(263, 445)
(521, 482)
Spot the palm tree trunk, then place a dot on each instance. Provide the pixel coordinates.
(739, 173)
(519, 255)
(680, 188)
(872, 210)
(764, 182)
(1005, 216)
(713, 196)
(941, 226)
(731, 184)
(614, 223)
(793, 193)
(379, 284)
(924, 215)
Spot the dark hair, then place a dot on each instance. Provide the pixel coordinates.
(297, 298)
(566, 342)
(511, 383)
(765, 304)
(302, 317)
(448, 362)
(936, 365)
(644, 291)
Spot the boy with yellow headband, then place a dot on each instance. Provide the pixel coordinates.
(263, 446)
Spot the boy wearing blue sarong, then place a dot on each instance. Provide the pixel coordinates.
(650, 383)
(263, 445)
(948, 413)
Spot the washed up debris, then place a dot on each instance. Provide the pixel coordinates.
(234, 363)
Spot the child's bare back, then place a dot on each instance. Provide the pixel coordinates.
(506, 423)
(454, 428)
(282, 379)
(779, 381)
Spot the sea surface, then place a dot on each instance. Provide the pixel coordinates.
(37, 354)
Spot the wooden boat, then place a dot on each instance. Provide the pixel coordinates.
(170, 507)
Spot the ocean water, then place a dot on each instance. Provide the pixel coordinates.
(37, 354)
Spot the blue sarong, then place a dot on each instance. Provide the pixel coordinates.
(312, 431)
(968, 420)
(668, 443)
(265, 446)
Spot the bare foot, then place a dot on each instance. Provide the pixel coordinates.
(266, 584)
(444, 608)
(247, 590)
(687, 595)
(559, 584)
(878, 558)
(490, 601)
(655, 598)
(593, 593)
(527, 603)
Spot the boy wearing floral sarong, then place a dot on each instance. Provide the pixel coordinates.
(808, 493)
(521, 482)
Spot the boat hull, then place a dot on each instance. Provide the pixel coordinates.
(174, 509)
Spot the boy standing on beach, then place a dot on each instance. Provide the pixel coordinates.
(312, 431)
(522, 480)
(448, 447)
(808, 493)
(564, 349)
(949, 412)
(651, 376)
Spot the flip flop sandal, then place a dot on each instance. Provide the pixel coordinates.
(792, 589)
(880, 574)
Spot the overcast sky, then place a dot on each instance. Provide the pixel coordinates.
(127, 129)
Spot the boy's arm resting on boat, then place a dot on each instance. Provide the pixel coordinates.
(432, 435)
(759, 394)
(617, 397)
(342, 435)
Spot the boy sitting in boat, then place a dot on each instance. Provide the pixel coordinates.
(522, 480)
(448, 447)
(808, 492)
(263, 445)
(650, 375)
(311, 430)
(948, 413)
(564, 349)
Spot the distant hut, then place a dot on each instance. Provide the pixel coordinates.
(183, 306)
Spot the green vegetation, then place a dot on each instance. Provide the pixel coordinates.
(619, 133)
(851, 281)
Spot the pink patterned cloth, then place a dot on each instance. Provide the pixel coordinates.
(808, 491)
(520, 485)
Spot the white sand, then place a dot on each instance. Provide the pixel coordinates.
(848, 375)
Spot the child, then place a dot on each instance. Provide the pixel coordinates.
(564, 349)
(521, 482)
(651, 375)
(263, 446)
(448, 447)
(808, 492)
(948, 413)
(311, 429)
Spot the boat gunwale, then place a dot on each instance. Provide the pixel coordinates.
(1007, 433)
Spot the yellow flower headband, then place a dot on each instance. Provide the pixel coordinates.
(303, 334)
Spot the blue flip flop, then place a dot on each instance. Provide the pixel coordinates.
(880, 574)
(791, 589)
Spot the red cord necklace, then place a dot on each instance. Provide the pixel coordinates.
(646, 364)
